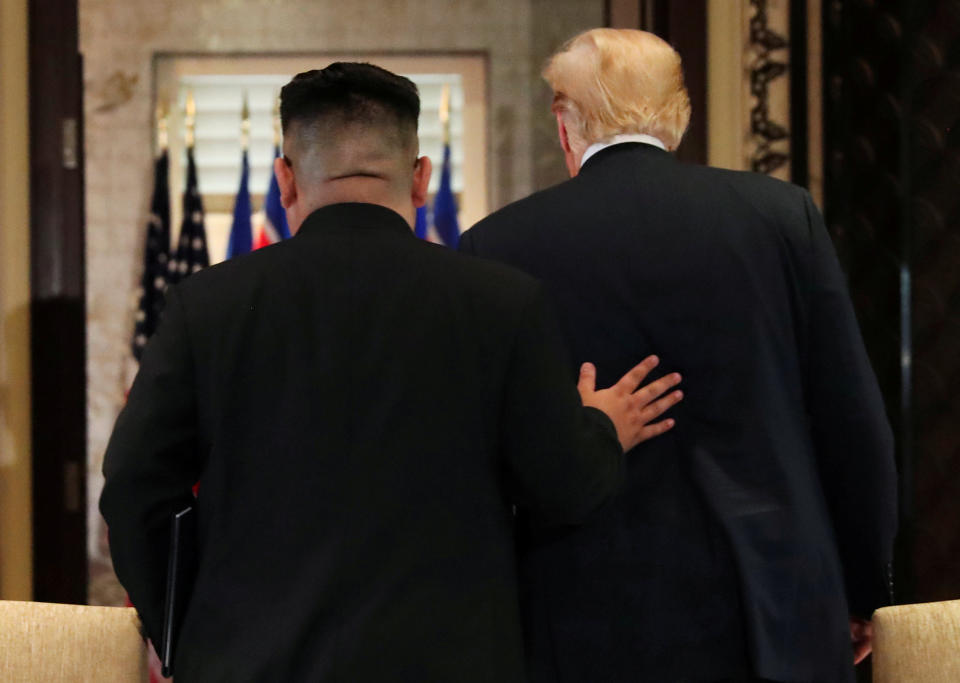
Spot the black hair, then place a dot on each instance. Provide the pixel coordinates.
(350, 91)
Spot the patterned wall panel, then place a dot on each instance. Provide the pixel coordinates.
(892, 183)
(933, 61)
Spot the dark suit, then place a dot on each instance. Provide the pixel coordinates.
(746, 534)
(361, 409)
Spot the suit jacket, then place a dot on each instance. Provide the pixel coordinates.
(745, 535)
(361, 409)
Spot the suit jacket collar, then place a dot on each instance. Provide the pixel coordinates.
(354, 216)
(624, 149)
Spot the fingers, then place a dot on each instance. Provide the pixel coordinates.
(861, 636)
(654, 389)
(651, 410)
(633, 410)
(861, 651)
(630, 381)
(588, 379)
(656, 429)
(655, 409)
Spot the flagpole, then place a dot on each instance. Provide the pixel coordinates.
(190, 119)
(277, 135)
(241, 232)
(191, 252)
(445, 113)
(245, 123)
(156, 257)
(275, 226)
(444, 203)
(163, 134)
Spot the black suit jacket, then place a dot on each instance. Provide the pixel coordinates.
(361, 409)
(746, 534)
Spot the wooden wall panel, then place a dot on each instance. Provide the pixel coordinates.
(892, 173)
(932, 155)
(58, 311)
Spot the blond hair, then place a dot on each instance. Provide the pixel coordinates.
(612, 81)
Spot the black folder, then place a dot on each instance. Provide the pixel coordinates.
(181, 574)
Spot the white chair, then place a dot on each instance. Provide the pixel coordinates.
(52, 643)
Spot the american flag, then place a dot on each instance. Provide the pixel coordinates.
(192, 248)
(155, 259)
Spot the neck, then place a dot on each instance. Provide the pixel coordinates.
(618, 139)
(364, 189)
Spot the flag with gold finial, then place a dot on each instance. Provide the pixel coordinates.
(156, 256)
(153, 283)
(445, 220)
(191, 254)
(241, 233)
(275, 227)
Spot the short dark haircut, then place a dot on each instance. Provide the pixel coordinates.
(350, 92)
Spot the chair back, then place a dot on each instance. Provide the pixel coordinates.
(42, 641)
(917, 643)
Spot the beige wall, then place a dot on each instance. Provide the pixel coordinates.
(729, 102)
(15, 529)
(118, 41)
(728, 86)
(552, 24)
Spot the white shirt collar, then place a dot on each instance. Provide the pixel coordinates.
(618, 139)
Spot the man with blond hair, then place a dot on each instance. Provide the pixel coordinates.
(753, 540)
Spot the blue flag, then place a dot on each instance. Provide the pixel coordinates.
(445, 206)
(241, 234)
(276, 226)
(420, 228)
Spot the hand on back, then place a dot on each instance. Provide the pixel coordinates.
(632, 408)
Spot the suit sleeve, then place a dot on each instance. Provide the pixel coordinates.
(151, 464)
(852, 437)
(563, 460)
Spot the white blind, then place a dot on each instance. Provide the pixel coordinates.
(219, 103)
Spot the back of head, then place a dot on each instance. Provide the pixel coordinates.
(613, 81)
(350, 123)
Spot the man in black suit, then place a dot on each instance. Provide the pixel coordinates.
(361, 409)
(745, 538)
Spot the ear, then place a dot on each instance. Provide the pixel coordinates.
(421, 181)
(571, 159)
(562, 132)
(286, 181)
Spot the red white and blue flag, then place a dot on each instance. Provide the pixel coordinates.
(275, 226)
